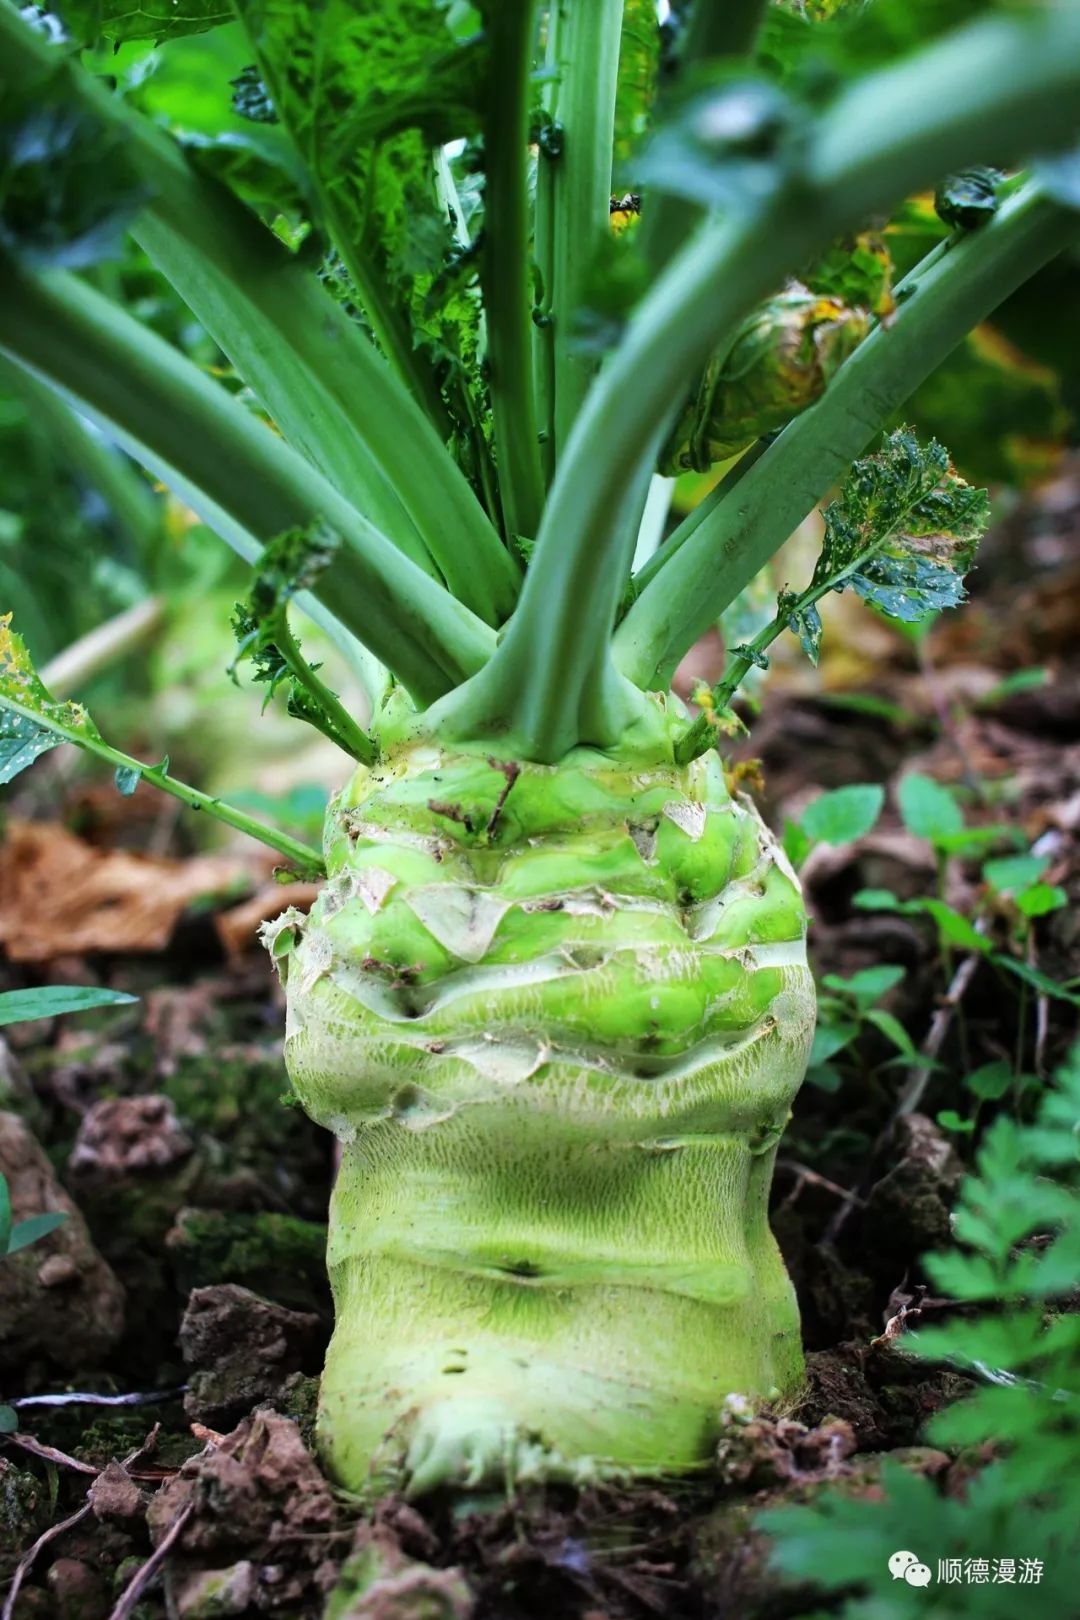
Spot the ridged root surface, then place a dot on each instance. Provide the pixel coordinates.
(556, 1016)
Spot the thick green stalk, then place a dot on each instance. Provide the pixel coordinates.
(587, 61)
(720, 548)
(1031, 68)
(556, 1018)
(505, 267)
(195, 436)
(321, 380)
(302, 856)
(548, 157)
(330, 715)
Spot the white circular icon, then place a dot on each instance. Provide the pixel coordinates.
(917, 1575)
(901, 1562)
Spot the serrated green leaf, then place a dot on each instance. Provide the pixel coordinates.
(843, 814)
(31, 720)
(366, 91)
(903, 532)
(120, 20)
(927, 809)
(50, 1000)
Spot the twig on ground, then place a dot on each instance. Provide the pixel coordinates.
(804, 1176)
(135, 1588)
(37, 1448)
(1042, 1016)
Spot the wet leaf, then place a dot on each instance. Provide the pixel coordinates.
(904, 530)
(50, 1000)
(31, 719)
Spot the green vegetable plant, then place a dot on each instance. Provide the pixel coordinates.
(1007, 1543)
(998, 931)
(553, 998)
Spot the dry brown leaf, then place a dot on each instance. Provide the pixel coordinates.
(60, 895)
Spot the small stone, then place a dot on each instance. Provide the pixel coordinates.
(115, 1496)
(57, 1271)
(240, 1349)
(213, 1592)
(78, 1591)
(58, 1298)
(120, 1136)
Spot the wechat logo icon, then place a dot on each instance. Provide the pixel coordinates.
(906, 1566)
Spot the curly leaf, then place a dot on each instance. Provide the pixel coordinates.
(120, 20)
(367, 90)
(291, 563)
(904, 530)
(779, 362)
(31, 719)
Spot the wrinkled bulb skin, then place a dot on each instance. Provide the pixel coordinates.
(556, 1017)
